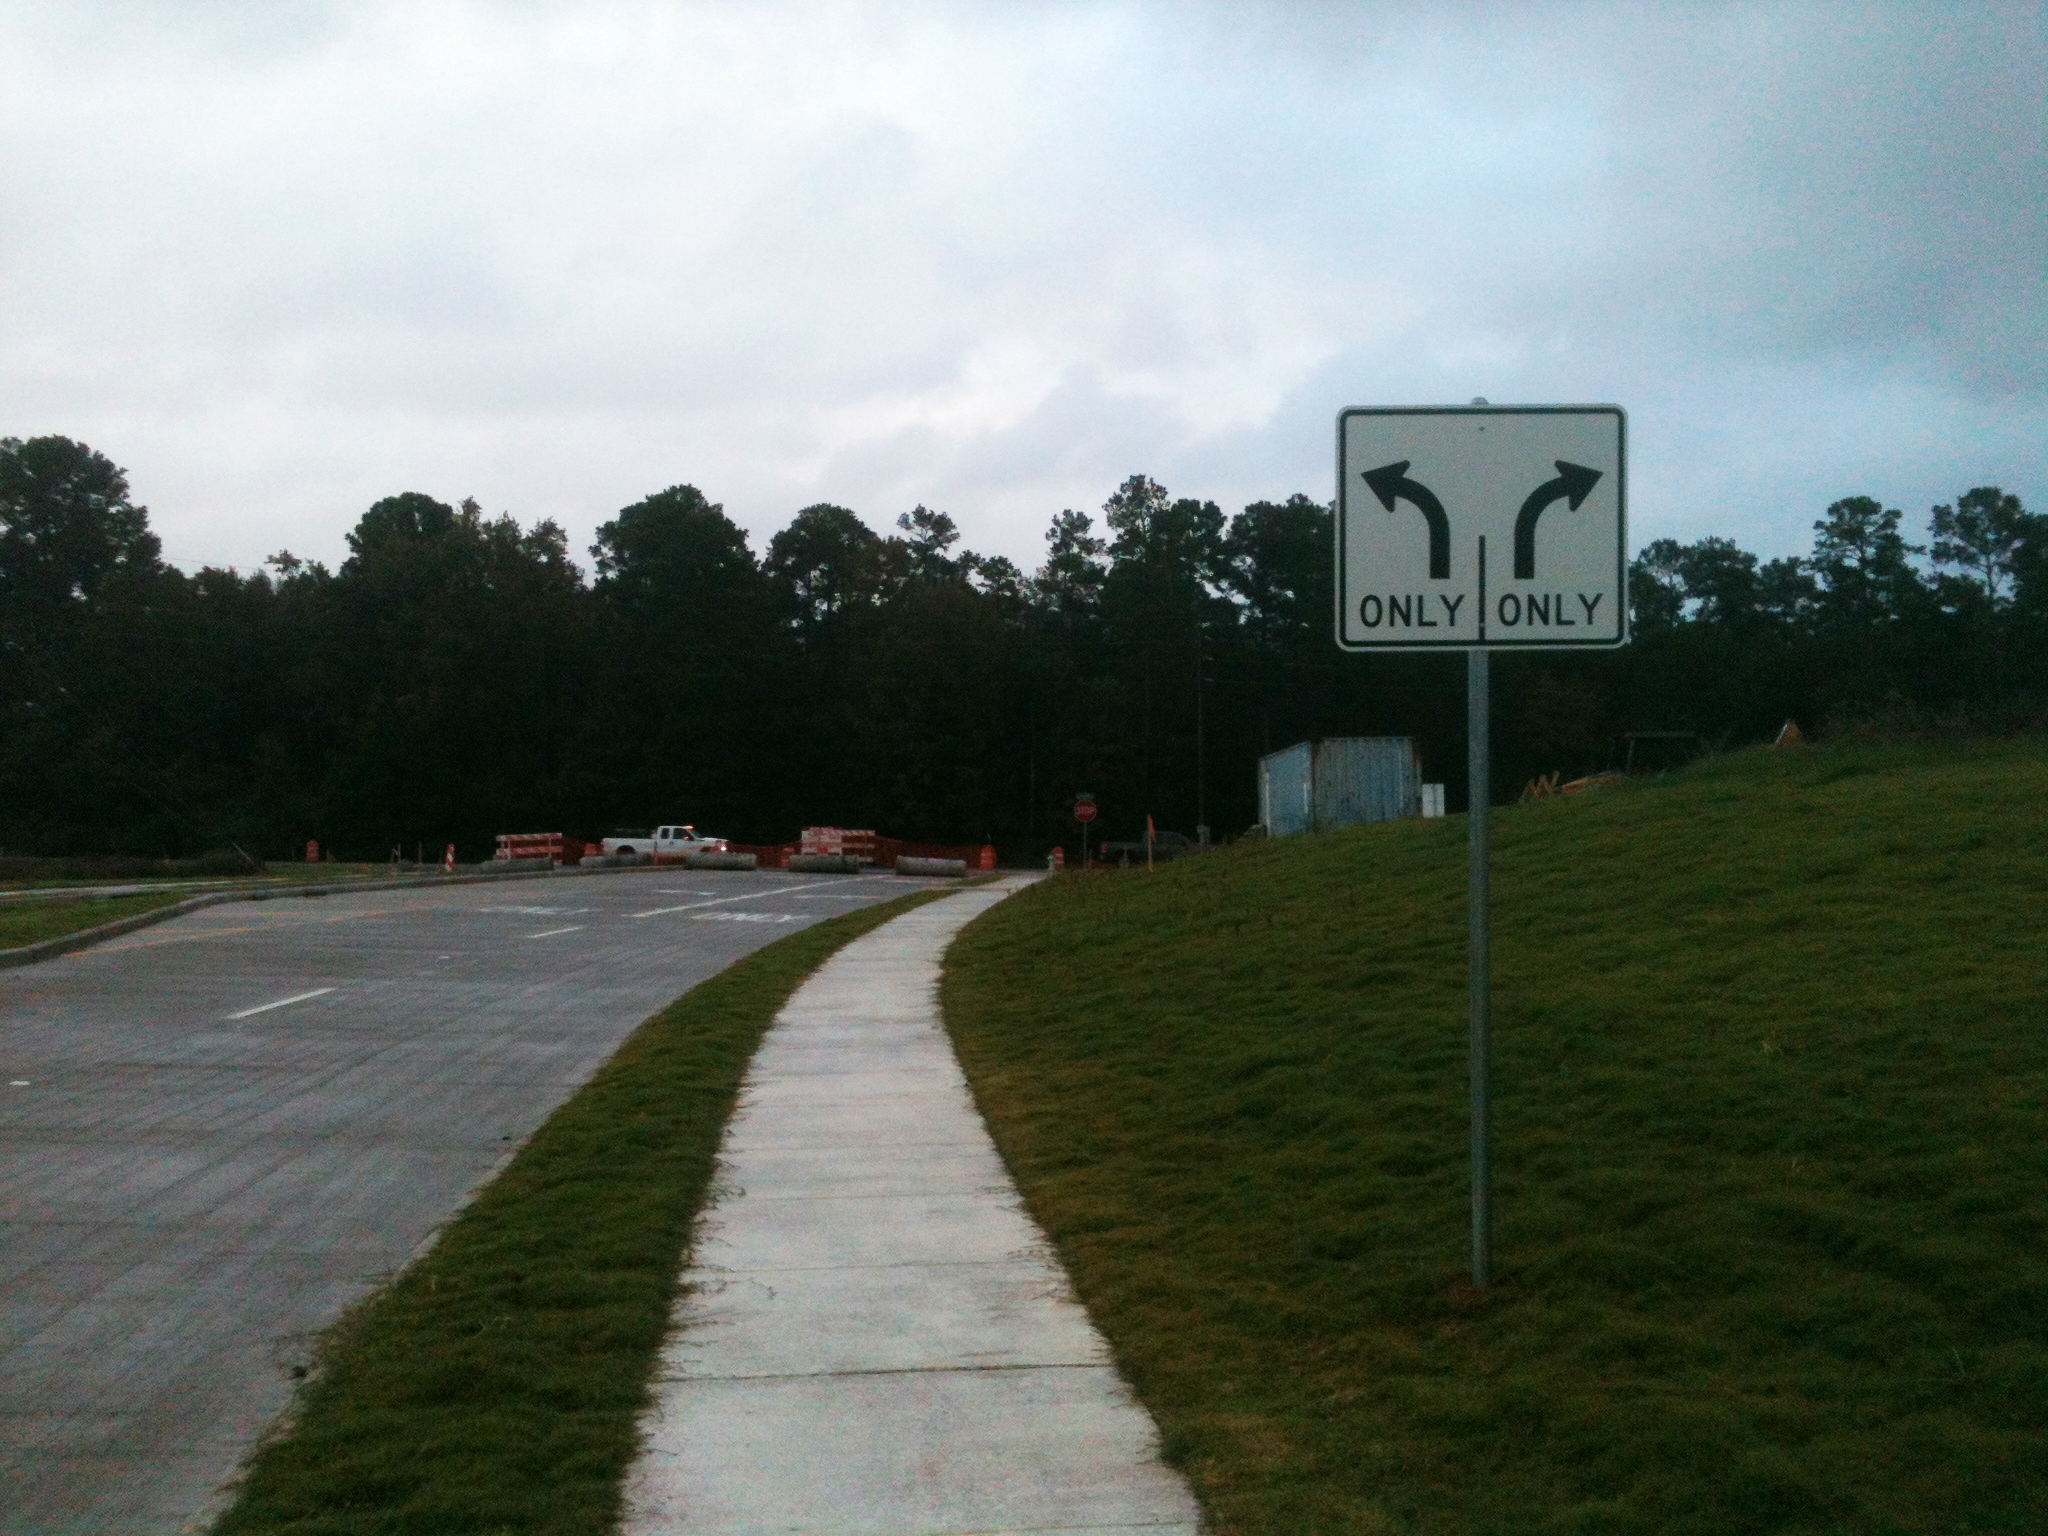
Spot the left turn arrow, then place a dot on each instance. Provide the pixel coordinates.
(1390, 483)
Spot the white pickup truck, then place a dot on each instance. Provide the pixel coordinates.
(664, 842)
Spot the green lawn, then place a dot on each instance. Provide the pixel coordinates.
(495, 1386)
(1771, 1154)
(30, 922)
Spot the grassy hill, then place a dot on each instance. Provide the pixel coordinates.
(1771, 1153)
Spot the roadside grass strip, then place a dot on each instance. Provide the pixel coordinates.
(495, 1384)
(32, 922)
(1771, 1087)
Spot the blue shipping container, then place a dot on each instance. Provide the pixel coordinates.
(1342, 781)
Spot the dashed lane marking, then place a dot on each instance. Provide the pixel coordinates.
(573, 928)
(282, 1002)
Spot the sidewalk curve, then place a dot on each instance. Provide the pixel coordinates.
(875, 1337)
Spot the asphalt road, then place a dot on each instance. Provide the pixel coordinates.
(217, 1133)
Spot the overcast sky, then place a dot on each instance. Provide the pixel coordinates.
(279, 260)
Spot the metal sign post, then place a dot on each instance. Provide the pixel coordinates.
(1423, 492)
(1479, 829)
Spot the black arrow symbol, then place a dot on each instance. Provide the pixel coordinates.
(1574, 482)
(1390, 483)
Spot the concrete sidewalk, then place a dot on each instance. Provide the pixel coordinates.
(877, 1338)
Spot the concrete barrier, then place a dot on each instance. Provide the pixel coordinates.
(824, 864)
(722, 861)
(906, 865)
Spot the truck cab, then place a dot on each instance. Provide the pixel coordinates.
(673, 840)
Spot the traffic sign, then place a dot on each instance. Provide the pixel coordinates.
(1482, 527)
(1084, 811)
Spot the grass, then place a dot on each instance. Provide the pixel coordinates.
(26, 874)
(495, 1385)
(26, 871)
(31, 922)
(1769, 1153)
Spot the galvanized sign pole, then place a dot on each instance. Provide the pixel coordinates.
(1422, 491)
(1479, 827)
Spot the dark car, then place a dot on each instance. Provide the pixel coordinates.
(1165, 845)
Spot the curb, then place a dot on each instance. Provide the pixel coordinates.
(85, 938)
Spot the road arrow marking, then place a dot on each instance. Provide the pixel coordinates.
(1574, 482)
(1390, 483)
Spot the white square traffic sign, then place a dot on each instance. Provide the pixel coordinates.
(1494, 526)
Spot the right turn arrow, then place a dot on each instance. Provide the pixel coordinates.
(1574, 483)
(1390, 483)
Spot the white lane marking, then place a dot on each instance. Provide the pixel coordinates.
(830, 896)
(747, 917)
(282, 1002)
(540, 911)
(577, 928)
(19, 1082)
(786, 890)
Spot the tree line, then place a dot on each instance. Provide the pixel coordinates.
(460, 675)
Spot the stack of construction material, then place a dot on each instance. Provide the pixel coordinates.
(540, 845)
(723, 860)
(824, 864)
(837, 842)
(893, 850)
(909, 864)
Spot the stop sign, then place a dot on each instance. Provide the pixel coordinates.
(1084, 810)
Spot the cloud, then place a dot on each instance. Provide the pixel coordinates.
(996, 257)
